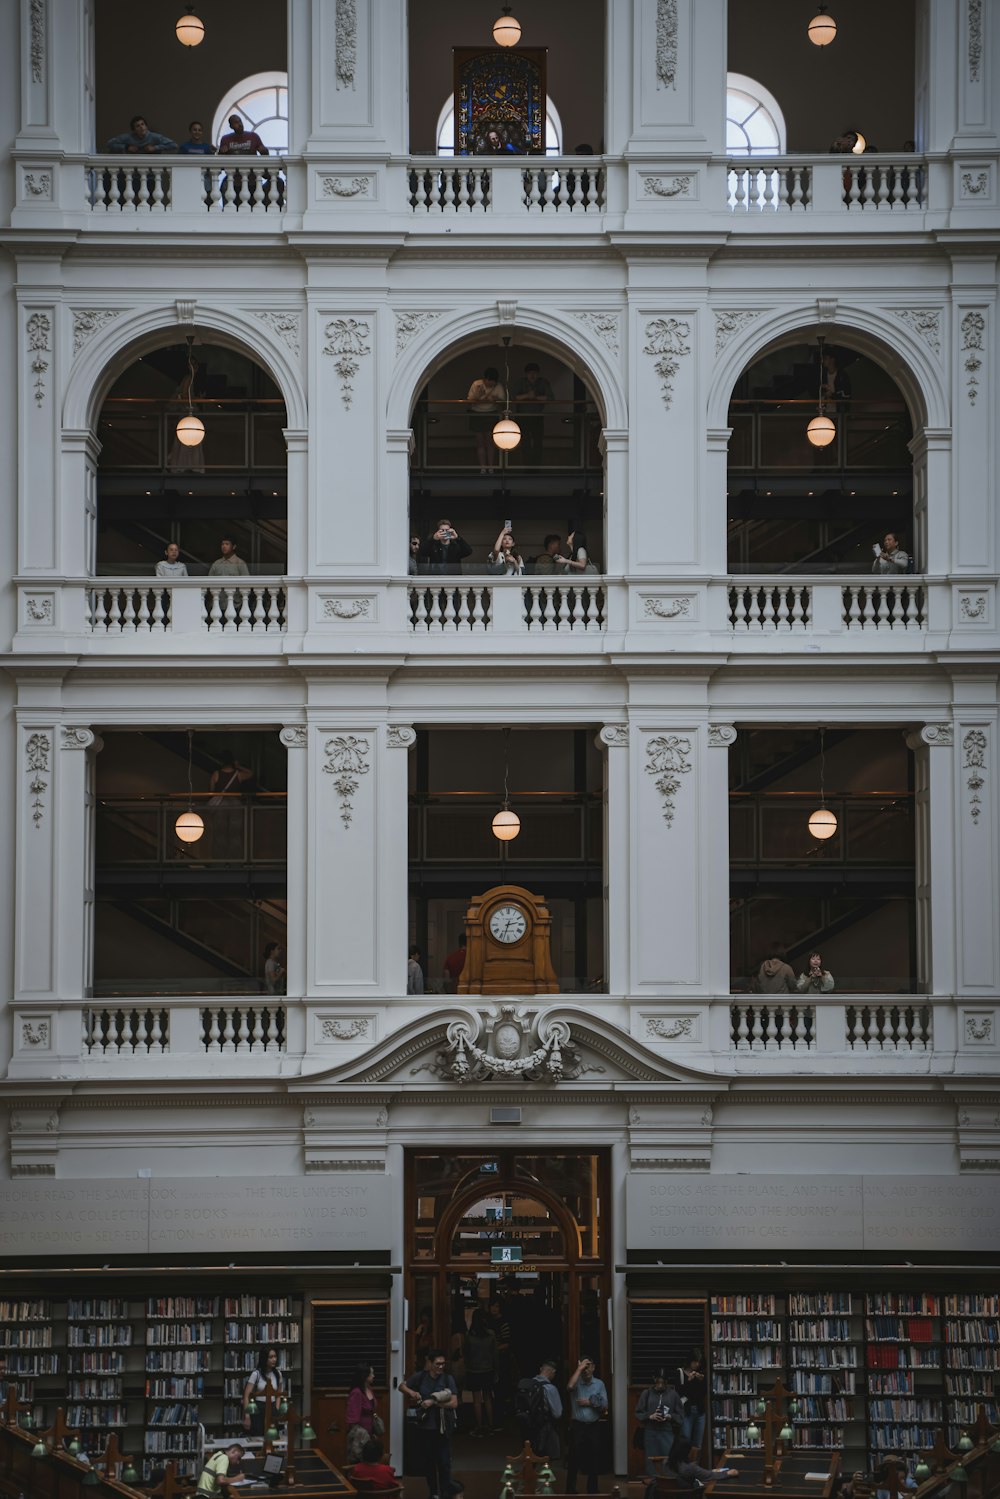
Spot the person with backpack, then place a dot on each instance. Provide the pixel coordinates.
(660, 1414)
(539, 1407)
(434, 1396)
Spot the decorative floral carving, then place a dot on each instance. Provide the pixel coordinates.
(974, 761)
(926, 324)
(603, 325)
(295, 736)
(285, 325)
(39, 609)
(340, 187)
(721, 735)
(665, 1029)
(942, 734)
(346, 608)
(381, 1118)
(975, 39)
(667, 339)
(346, 42)
(36, 755)
(400, 736)
(38, 330)
(75, 738)
(89, 321)
(38, 184)
(37, 39)
(666, 43)
(666, 608)
(972, 187)
(973, 328)
(634, 1117)
(978, 1028)
(348, 342)
(35, 1034)
(344, 1030)
(657, 187)
(346, 762)
(729, 322)
(615, 735)
(554, 1059)
(667, 755)
(972, 608)
(409, 324)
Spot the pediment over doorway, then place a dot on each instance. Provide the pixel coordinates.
(544, 1046)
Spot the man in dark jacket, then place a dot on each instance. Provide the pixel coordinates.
(444, 550)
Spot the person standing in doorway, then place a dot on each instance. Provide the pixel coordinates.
(691, 1388)
(660, 1414)
(588, 1404)
(434, 1395)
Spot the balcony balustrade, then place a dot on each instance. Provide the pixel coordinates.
(237, 1035)
(135, 617)
(582, 193)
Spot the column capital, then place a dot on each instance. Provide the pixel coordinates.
(937, 735)
(721, 735)
(400, 736)
(295, 736)
(73, 737)
(612, 736)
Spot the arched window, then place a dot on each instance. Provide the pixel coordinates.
(446, 129)
(261, 101)
(755, 125)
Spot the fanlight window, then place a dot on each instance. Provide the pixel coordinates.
(261, 101)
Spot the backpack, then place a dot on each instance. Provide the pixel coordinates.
(530, 1406)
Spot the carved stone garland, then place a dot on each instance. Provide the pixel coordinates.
(667, 342)
(668, 761)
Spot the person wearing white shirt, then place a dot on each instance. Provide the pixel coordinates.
(505, 560)
(170, 567)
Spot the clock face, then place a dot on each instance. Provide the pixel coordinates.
(508, 924)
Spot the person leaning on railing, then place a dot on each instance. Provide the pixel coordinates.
(169, 566)
(140, 139)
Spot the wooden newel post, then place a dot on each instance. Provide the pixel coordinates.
(58, 1432)
(529, 1461)
(11, 1406)
(113, 1457)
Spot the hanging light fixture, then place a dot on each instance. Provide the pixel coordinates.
(190, 428)
(506, 29)
(822, 822)
(189, 827)
(190, 31)
(506, 824)
(821, 430)
(506, 433)
(821, 29)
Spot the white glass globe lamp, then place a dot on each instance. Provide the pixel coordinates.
(189, 827)
(506, 29)
(190, 30)
(823, 824)
(190, 431)
(506, 825)
(822, 29)
(821, 431)
(506, 433)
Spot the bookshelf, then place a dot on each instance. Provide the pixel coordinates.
(99, 1332)
(27, 1343)
(823, 1370)
(903, 1361)
(251, 1323)
(179, 1345)
(971, 1326)
(748, 1355)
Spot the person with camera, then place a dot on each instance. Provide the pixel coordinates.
(816, 979)
(889, 556)
(433, 1395)
(505, 560)
(443, 550)
(660, 1414)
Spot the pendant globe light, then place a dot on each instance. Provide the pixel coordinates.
(189, 827)
(506, 29)
(190, 31)
(506, 432)
(822, 822)
(822, 429)
(190, 428)
(506, 824)
(821, 29)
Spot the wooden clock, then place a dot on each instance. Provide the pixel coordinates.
(508, 948)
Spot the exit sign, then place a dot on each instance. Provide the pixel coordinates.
(505, 1254)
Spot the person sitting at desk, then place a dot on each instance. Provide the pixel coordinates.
(693, 1473)
(214, 1474)
(371, 1470)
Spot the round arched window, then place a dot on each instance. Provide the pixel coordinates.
(261, 101)
(755, 125)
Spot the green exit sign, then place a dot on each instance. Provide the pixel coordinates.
(505, 1254)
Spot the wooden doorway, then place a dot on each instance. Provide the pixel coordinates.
(552, 1209)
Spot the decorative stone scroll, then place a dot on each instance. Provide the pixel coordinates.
(347, 343)
(285, 325)
(668, 761)
(667, 343)
(346, 761)
(974, 761)
(509, 1033)
(36, 758)
(38, 333)
(409, 324)
(973, 328)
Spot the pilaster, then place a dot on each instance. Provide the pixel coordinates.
(679, 71)
(358, 77)
(977, 887)
(343, 472)
(613, 740)
(38, 399)
(934, 773)
(295, 738)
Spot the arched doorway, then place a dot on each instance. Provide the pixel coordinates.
(531, 1231)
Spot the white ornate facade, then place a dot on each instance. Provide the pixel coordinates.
(352, 287)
